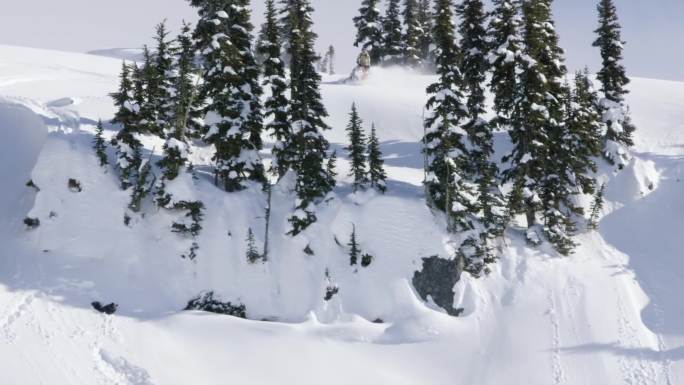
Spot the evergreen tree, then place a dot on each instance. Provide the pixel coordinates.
(232, 91)
(376, 165)
(392, 35)
(369, 30)
(100, 145)
(127, 145)
(596, 208)
(160, 85)
(505, 58)
(331, 60)
(425, 31)
(412, 34)
(141, 188)
(252, 253)
(613, 85)
(539, 162)
(354, 251)
(306, 113)
(444, 139)
(480, 170)
(357, 150)
(276, 105)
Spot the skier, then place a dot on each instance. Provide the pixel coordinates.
(363, 64)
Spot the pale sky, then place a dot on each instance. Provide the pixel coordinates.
(653, 28)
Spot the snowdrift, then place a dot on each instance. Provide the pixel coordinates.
(610, 314)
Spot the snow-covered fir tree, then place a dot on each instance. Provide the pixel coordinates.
(354, 250)
(356, 150)
(412, 34)
(100, 145)
(331, 60)
(232, 91)
(369, 30)
(614, 81)
(392, 34)
(505, 36)
(307, 114)
(425, 31)
(444, 141)
(126, 142)
(276, 105)
(252, 252)
(376, 165)
(160, 84)
(539, 160)
(487, 219)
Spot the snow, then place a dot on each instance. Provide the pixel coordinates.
(610, 314)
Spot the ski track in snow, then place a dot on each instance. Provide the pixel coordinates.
(15, 313)
(118, 371)
(557, 366)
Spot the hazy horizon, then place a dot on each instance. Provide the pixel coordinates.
(76, 25)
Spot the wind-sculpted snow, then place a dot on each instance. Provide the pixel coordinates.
(609, 314)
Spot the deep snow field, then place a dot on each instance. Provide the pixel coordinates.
(612, 313)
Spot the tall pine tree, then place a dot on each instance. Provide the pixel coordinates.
(276, 105)
(613, 85)
(444, 141)
(392, 35)
(128, 146)
(505, 38)
(376, 165)
(357, 150)
(232, 91)
(412, 34)
(369, 30)
(307, 113)
(425, 31)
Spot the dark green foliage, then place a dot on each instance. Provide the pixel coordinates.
(31, 223)
(354, 251)
(142, 186)
(207, 302)
(99, 145)
(231, 91)
(366, 260)
(306, 113)
(505, 45)
(159, 85)
(614, 81)
(596, 208)
(332, 165)
(252, 253)
(425, 30)
(74, 185)
(276, 106)
(369, 30)
(127, 117)
(392, 34)
(436, 280)
(376, 165)
(194, 214)
(444, 144)
(357, 150)
(32, 184)
(330, 292)
(413, 34)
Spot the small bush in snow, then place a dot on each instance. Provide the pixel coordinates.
(207, 302)
(75, 186)
(32, 223)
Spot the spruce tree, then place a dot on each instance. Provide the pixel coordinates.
(127, 144)
(331, 60)
(354, 251)
(376, 165)
(425, 31)
(232, 91)
(306, 113)
(276, 105)
(480, 170)
(613, 85)
(539, 162)
(412, 34)
(357, 150)
(369, 30)
(99, 145)
(252, 253)
(505, 31)
(160, 85)
(392, 34)
(444, 141)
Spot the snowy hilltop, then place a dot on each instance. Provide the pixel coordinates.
(449, 214)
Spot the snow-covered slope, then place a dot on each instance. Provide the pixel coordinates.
(610, 314)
